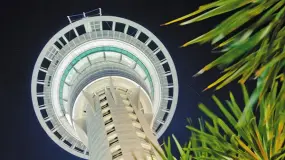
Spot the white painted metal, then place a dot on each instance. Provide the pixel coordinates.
(63, 120)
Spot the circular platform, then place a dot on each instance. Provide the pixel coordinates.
(92, 48)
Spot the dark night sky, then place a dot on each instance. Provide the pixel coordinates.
(28, 25)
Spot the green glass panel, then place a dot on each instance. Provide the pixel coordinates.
(97, 50)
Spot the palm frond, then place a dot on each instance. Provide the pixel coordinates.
(251, 39)
(258, 138)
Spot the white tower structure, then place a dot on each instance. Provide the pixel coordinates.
(104, 88)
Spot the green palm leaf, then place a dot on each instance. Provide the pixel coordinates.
(254, 47)
(261, 138)
(251, 140)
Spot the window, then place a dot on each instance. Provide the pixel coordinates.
(117, 153)
(78, 149)
(67, 143)
(160, 55)
(104, 106)
(40, 88)
(115, 140)
(44, 113)
(158, 128)
(132, 31)
(70, 35)
(120, 27)
(58, 45)
(41, 101)
(143, 37)
(152, 46)
(57, 135)
(108, 121)
(104, 99)
(81, 30)
(50, 125)
(62, 41)
(166, 67)
(107, 25)
(169, 79)
(106, 113)
(111, 130)
(165, 116)
(45, 63)
(41, 75)
(169, 105)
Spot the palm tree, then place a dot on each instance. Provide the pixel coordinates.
(260, 138)
(252, 45)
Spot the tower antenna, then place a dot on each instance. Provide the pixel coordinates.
(92, 13)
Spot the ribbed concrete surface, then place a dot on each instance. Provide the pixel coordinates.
(129, 144)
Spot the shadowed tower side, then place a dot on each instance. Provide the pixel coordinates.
(121, 131)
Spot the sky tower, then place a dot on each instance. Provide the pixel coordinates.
(103, 87)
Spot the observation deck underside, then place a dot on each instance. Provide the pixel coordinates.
(92, 50)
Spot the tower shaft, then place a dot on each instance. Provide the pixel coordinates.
(116, 127)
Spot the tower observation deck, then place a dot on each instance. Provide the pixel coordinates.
(103, 87)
